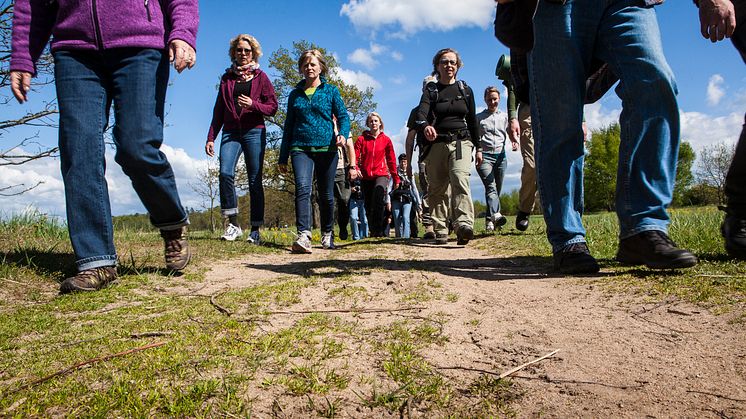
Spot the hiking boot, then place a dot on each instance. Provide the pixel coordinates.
(89, 279)
(441, 238)
(176, 248)
(575, 259)
(489, 226)
(232, 232)
(655, 250)
(429, 233)
(327, 240)
(521, 221)
(464, 234)
(343, 234)
(303, 244)
(500, 220)
(254, 237)
(734, 233)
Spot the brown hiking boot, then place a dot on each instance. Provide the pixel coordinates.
(89, 280)
(177, 248)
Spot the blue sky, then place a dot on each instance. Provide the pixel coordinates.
(388, 45)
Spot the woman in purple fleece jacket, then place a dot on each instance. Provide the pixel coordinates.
(109, 51)
(245, 97)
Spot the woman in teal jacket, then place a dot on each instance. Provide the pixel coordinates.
(309, 140)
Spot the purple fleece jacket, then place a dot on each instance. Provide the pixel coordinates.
(98, 25)
(226, 116)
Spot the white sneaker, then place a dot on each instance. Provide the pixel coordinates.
(303, 244)
(489, 226)
(232, 232)
(327, 240)
(254, 237)
(500, 219)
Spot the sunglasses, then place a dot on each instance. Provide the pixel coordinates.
(243, 50)
(447, 61)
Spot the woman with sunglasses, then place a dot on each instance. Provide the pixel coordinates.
(447, 117)
(245, 97)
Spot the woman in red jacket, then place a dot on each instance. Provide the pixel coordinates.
(375, 156)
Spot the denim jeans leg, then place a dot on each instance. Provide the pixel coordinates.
(650, 128)
(230, 151)
(139, 80)
(501, 165)
(486, 172)
(303, 172)
(254, 142)
(326, 169)
(402, 226)
(354, 218)
(564, 39)
(83, 104)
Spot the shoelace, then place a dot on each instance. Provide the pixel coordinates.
(577, 248)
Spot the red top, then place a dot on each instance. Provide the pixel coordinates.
(376, 157)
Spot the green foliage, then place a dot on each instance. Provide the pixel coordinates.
(684, 176)
(509, 202)
(601, 168)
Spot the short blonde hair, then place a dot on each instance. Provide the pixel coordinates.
(436, 59)
(371, 115)
(307, 54)
(256, 48)
(489, 90)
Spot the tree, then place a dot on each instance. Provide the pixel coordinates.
(601, 169)
(684, 176)
(714, 162)
(207, 187)
(18, 151)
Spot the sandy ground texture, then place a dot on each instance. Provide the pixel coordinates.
(620, 355)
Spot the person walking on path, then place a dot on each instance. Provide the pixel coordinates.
(404, 199)
(245, 97)
(113, 53)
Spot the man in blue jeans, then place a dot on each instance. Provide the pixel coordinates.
(568, 36)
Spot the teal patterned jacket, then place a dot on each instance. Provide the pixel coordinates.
(309, 122)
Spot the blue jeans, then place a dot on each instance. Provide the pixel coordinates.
(626, 36)
(492, 171)
(324, 165)
(358, 220)
(87, 82)
(401, 212)
(252, 144)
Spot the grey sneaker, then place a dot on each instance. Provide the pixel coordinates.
(327, 240)
(489, 226)
(176, 248)
(303, 244)
(232, 232)
(89, 280)
(254, 237)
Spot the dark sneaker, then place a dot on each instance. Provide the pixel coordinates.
(464, 234)
(521, 221)
(429, 233)
(441, 238)
(734, 233)
(655, 250)
(575, 259)
(89, 280)
(343, 234)
(500, 220)
(176, 248)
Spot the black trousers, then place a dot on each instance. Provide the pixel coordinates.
(374, 191)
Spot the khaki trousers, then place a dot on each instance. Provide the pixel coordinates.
(444, 170)
(527, 193)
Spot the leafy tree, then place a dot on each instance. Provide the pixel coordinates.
(601, 169)
(684, 176)
(714, 162)
(16, 151)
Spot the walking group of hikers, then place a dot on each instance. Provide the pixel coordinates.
(572, 51)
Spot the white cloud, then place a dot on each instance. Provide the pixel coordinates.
(701, 129)
(367, 57)
(415, 15)
(398, 80)
(715, 90)
(397, 56)
(357, 78)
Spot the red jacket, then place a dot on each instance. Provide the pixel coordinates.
(376, 157)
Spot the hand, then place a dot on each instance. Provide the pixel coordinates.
(478, 159)
(585, 132)
(341, 140)
(430, 133)
(354, 174)
(181, 54)
(717, 19)
(20, 84)
(514, 144)
(245, 101)
(283, 168)
(210, 148)
(514, 130)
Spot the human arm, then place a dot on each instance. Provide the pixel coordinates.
(409, 149)
(350, 151)
(717, 19)
(340, 111)
(32, 26)
(218, 111)
(182, 38)
(423, 111)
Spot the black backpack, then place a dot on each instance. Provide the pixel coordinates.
(432, 93)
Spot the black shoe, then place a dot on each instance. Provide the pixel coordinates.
(464, 234)
(734, 233)
(655, 250)
(575, 259)
(500, 220)
(343, 234)
(441, 238)
(521, 221)
(429, 235)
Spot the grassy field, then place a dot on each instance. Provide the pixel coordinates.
(211, 364)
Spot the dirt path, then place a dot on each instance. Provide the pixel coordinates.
(620, 355)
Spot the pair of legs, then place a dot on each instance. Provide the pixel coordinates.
(492, 172)
(444, 172)
(324, 166)
(358, 219)
(401, 213)
(252, 144)
(87, 82)
(374, 193)
(527, 192)
(342, 199)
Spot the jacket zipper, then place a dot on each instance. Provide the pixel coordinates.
(96, 26)
(147, 9)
